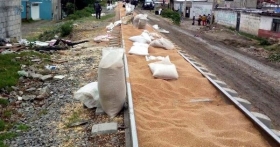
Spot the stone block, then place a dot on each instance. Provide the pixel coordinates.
(221, 83)
(263, 118)
(104, 128)
(244, 103)
(232, 92)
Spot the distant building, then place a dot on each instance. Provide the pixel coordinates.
(41, 9)
(10, 20)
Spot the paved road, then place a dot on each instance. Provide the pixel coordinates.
(252, 78)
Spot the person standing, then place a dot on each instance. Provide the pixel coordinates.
(98, 10)
(208, 19)
(204, 18)
(199, 20)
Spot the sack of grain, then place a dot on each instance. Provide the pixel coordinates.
(111, 81)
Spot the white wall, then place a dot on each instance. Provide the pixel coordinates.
(200, 8)
(10, 19)
(250, 23)
(227, 18)
(266, 23)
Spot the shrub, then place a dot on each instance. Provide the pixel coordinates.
(66, 29)
(175, 16)
(274, 57)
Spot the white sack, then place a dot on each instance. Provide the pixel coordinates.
(139, 49)
(154, 35)
(139, 39)
(146, 35)
(110, 26)
(111, 81)
(88, 95)
(164, 69)
(163, 43)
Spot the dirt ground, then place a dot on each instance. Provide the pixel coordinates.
(234, 59)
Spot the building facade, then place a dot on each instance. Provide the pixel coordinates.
(41, 9)
(10, 19)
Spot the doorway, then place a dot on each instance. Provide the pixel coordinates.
(35, 11)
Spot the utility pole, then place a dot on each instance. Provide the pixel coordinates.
(74, 5)
(212, 13)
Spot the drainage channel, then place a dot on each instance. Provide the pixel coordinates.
(259, 119)
(131, 139)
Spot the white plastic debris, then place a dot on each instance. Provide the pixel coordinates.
(88, 95)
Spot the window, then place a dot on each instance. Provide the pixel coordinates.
(275, 25)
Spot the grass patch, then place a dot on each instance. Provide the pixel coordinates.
(23, 127)
(4, 136)
(274, 57)
(175, 16)
(9, 66)
(43, 112)
(7, 113)
(2, 125)
(4, 102)
(75, 117)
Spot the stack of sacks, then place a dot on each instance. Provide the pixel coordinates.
(140, 21)
(141, 44)
(164, 69)
(129, 9)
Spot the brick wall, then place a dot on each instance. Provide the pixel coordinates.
(10, 19)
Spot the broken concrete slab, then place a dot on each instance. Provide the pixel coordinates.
(244, 103)
(263, 118)
(104, 128)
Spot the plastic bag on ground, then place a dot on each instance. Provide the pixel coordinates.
(111, 81)
(163, 43)
(88, 95)
(110, 26)
(164, 69)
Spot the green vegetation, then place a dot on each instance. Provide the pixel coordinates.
(75, 117)
(175, 16)
(10, 65)
(106, 17)
(2, 125)
(4, 102)
(23, 127)
(86, 12)
(4, 136)
(66, 29)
